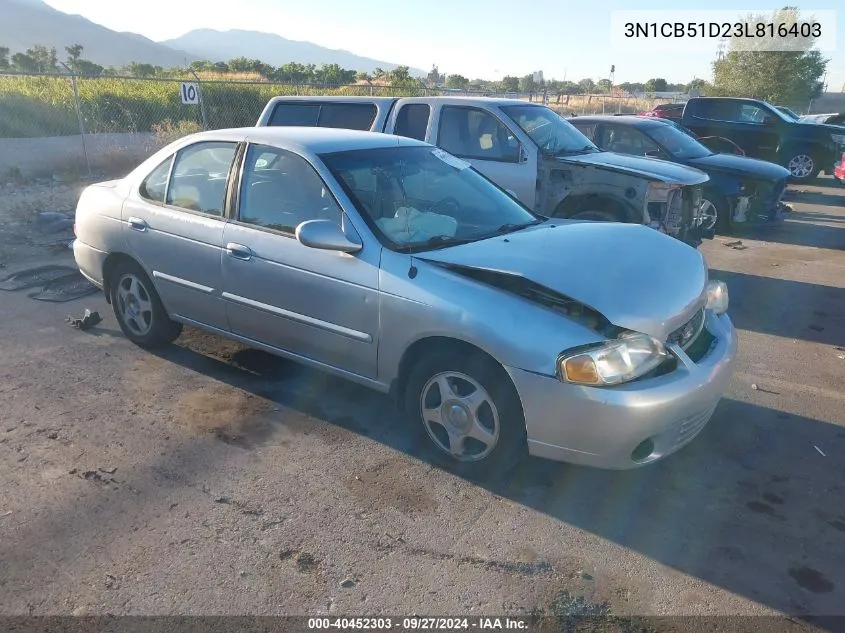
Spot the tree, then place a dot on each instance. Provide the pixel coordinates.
(379, 74)
(753, 69)
(586, 86)
(510, 83)
(23, 63)
(699, 85)
(74, 53)
(434, 78)
(293, 73)
(457, 82)
(4, 58)
(656, 85)
(44, 59)
(362, 76)
(400, 77)
(632, 87)
(140, 70)
(605, 85)
(527, 83)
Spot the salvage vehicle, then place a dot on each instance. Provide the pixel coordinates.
(740, 189)
(389, 262)
(831, 118)
(839, 170)
(671, 111)
(762, 131)
(528, 149)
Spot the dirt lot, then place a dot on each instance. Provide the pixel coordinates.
(214, 479)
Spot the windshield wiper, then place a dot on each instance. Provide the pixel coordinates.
(512, 228)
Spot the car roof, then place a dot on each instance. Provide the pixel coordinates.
(316, 140)
(631, 120)
(501, 101)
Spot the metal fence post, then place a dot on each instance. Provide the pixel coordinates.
(201, 99)
(79, 116)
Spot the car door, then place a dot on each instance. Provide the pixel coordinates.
(174, 227)
(481, 138)
(316, 304)
(756, 130)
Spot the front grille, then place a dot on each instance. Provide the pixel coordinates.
(685, 335)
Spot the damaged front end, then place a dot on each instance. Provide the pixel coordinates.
(676, 210)
(759, 202)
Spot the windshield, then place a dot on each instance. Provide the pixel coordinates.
(678, 143)
(789, 113)
(550, 131)
(421, 198)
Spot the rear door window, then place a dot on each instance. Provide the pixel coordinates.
(288, 114)
(412, 121)
(348, 116)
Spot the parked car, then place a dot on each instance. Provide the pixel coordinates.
(763, 131)
(831, 118)
(392, 263)
(789, 113)
(671, 111)
(740, 189)
(839, 170)
(525, 148)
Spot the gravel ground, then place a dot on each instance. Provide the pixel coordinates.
(213, 479)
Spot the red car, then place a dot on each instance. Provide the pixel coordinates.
(671, 111)
(839, 170)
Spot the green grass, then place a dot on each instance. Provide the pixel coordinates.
(44, 106)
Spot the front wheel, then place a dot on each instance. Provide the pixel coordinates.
(467, 412)
(138, 308)
(714, 213)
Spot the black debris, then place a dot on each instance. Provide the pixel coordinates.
(89, 320)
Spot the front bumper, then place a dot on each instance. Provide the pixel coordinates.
(602, 427)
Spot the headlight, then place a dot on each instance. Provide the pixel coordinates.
(659, 191)
(717, 296)
(614, 362)
(839, 139)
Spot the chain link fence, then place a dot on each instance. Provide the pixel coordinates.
(51, 123)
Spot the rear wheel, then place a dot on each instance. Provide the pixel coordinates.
(138, 308)
(802, 165)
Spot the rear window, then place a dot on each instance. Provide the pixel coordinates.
(349, 116)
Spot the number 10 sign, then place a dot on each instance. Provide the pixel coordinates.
(190, 93)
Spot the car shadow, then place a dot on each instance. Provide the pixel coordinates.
(791, 309)
(731, 509)
(799, 232)
(821, 198)
(752, 506)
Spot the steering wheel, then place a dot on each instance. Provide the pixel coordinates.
(447, 204)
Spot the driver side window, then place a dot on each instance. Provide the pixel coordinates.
(280, 190)
(627, 140)
(475, 133)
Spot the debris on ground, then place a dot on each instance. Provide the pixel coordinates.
(348, 582)
(754, 386)
(32, 277)
(88, 320)
(109, 471)
(820, 451)
(737, 245)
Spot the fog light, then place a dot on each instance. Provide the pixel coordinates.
(643, 451)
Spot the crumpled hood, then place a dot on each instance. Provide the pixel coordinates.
(638, 278)
(652, 168)
(741, 165)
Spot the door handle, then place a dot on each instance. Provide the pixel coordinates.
(239, 251)
(137, 224)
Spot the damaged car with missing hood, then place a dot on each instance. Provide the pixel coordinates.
(389, 262)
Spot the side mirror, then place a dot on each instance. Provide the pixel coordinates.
(325, 235)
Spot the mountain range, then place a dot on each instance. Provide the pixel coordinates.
(26, 23)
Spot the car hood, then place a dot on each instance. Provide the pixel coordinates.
(638, 278)
(652, 168)
(741, 165)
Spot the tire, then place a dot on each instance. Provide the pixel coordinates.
(718, 210)
(596, 215)
(484, 433)
(802, 165)
(138, 308)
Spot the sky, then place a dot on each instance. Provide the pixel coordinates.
(474, 38)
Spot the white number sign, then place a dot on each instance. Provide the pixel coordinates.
(190, 93)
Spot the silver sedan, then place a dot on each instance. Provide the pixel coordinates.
(391, 263)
